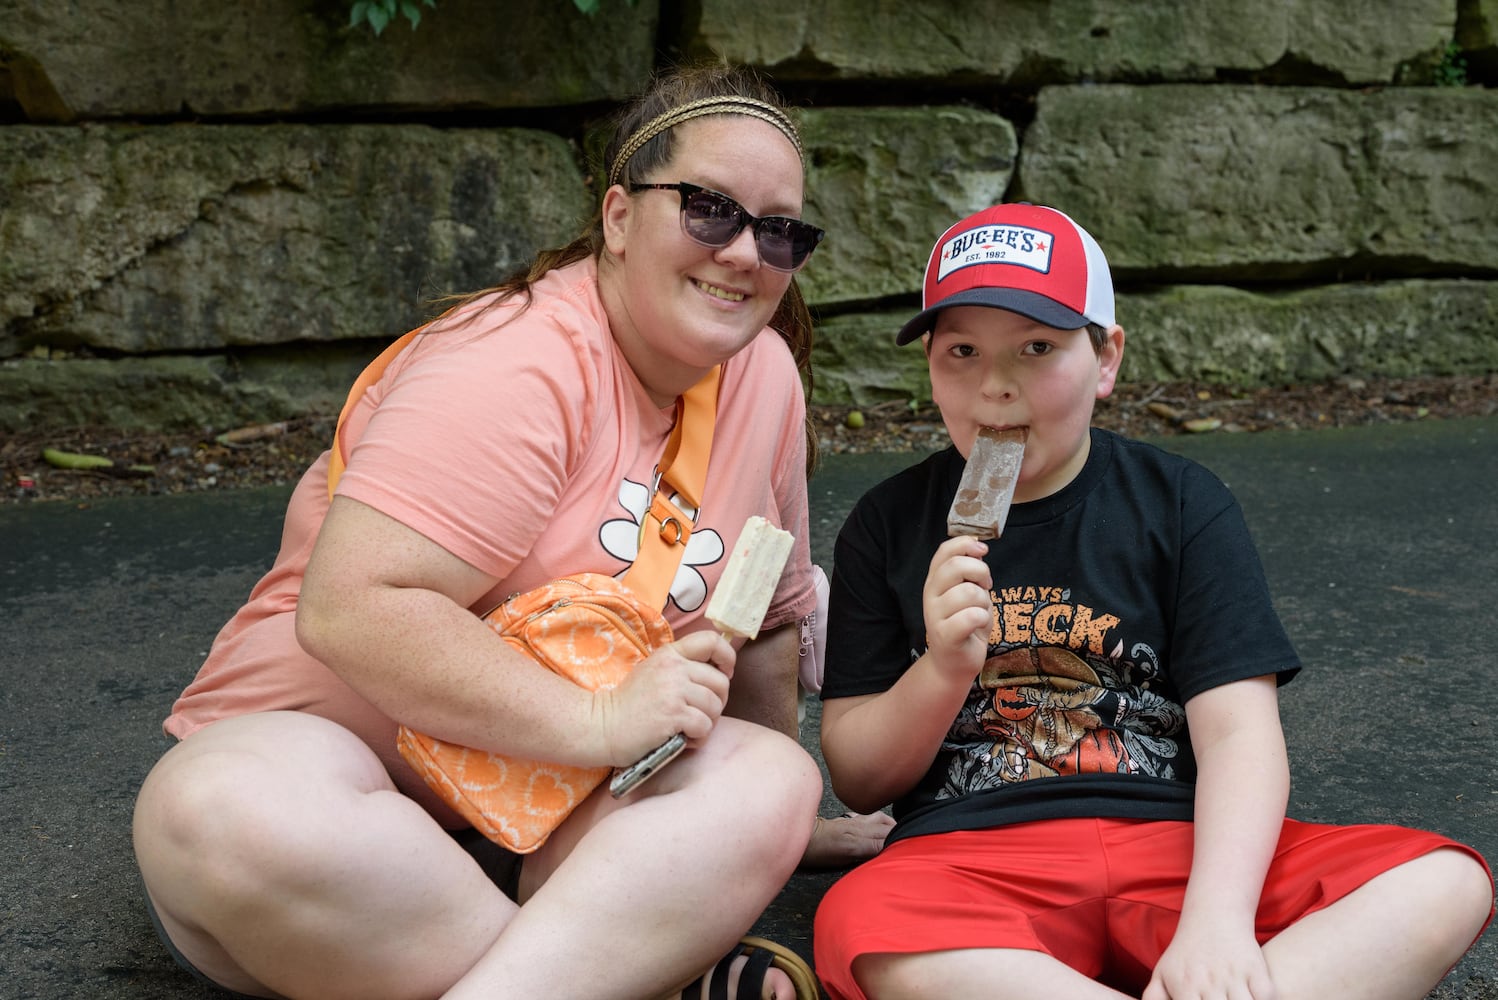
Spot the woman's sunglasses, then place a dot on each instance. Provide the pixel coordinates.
(714, 219)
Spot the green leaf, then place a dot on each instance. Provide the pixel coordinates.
(1451, 71)
(379, 13)
(589, 7)
(73, 460)
(378, 18)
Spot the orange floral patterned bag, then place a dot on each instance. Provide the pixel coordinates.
(589, 628)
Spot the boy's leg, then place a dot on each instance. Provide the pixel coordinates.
(1016, 912)
(1392, 939)
(996, 973)
(1363, 911)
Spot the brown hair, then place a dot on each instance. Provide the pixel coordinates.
(1096, 332)
(667, 91)
(1099, 335)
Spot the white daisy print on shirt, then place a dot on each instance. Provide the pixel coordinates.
(620, 538)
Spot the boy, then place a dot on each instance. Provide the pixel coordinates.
(1077, 722)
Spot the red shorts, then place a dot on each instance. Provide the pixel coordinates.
(1101, 895)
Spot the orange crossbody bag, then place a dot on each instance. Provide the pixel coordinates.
(588, 627)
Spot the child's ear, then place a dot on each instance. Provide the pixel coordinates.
(1109, 357)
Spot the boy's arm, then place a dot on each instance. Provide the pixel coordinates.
(1242, 786)
(878, 746)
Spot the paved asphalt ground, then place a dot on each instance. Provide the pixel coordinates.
(1379, 545)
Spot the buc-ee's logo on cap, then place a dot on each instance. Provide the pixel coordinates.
(996, 245)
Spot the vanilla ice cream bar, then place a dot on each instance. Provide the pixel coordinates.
(987, 487)
(748, 583)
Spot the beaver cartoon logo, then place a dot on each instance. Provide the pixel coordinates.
(1044, 715)
(1043, 710)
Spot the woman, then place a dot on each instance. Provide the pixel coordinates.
(288, 850)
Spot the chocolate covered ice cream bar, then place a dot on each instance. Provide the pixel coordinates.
(987, 487)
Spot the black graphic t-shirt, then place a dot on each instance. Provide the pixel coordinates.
(1115, 601)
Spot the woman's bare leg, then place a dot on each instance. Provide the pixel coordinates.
(282, 861)
(655, 889)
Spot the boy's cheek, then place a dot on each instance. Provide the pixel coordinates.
(961, 437)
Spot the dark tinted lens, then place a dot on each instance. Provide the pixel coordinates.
(784, 243)
(712, 218)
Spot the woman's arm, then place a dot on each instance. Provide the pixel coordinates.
(764, 680)
(387, 610)
(1242, 787)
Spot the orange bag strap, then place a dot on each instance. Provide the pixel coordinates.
(338, 460)
(664, 528)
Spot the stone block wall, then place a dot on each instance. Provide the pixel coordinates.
(211, 214)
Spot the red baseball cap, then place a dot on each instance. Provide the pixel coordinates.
(1025, 258)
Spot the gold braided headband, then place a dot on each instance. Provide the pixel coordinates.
(696, 109)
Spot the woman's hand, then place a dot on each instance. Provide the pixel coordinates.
(679, 688)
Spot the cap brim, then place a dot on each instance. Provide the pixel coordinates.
(1032, 304)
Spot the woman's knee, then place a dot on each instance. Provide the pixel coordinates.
(234, 799)
(764, 755)
(772, 774)
(765, 787)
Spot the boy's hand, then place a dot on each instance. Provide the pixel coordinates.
(1204, 962)
(958, 611)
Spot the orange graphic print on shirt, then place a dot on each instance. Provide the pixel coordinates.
(1043, 715)
(1042, 710)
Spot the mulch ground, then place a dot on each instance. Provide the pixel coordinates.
(164, 462)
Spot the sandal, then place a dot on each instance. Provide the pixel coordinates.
(763, 955)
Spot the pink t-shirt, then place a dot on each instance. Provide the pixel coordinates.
(522, 442)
